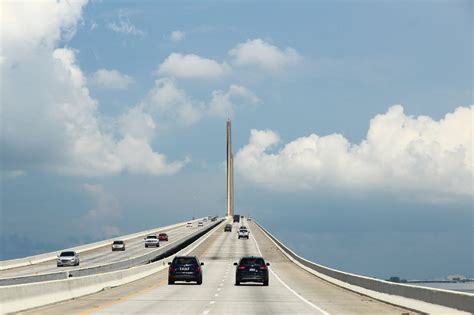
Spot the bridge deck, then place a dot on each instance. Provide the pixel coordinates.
(291, 290)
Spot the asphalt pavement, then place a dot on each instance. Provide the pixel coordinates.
(291, 289)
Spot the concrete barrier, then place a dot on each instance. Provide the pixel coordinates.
(21, 297)
(30, 260)
(450, 299)
(35, 278)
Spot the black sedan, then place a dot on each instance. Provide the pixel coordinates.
(185, 268)
(251, 269)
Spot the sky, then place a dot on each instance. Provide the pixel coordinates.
(352, 125)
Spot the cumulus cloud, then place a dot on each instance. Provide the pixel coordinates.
(224, 104)
(124, 26)
(418, 156)
(177, 36)
(45, 91)
(111, 79)
(106, 211)
(106, 205)
(257, 52)
(170, 105)
(192, 66)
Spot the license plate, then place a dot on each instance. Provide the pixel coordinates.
(252, 269)
(184, 269)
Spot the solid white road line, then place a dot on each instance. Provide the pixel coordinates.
(288, 287)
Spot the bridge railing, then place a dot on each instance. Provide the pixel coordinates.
(457, 300)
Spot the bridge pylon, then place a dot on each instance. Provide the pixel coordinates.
(230, 171)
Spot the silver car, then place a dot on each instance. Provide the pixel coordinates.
(68, 258)
(152, 240)
(118, 245)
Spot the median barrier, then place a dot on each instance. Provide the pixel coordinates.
(450, 299)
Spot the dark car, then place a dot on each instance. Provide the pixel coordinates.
(163, 237)
(185, 268)
(251, 269)
(228, 228)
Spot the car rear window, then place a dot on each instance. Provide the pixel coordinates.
(162, 234)
(252, 262)
(151, 236)
(67, 254)
(118, 242)
(185, 261)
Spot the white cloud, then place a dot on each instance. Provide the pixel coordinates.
(124, 26)
(15, 173)
(106, 210)
(259, 53)
(93, 26)
(170, 105)
(45, 91)
(411, 156)
(111, 79)
(106, 205)
(224, 104)
(177, 36)
(191, 66)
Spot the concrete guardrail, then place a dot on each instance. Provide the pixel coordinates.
(451, 299)
(21, 297)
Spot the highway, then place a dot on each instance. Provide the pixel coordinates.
(291, 290)
(134, 247)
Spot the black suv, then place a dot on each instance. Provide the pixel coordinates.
(228, 228)
(251, 269)
(185, 268)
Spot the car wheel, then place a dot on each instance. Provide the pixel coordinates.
(146, 246)
(265, 283)
(170, 281)
(199, 282)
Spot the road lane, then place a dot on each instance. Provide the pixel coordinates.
(134, 247)
(219, 295)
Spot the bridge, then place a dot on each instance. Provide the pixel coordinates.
(135, 281)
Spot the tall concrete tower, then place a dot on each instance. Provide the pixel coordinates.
(230, 171)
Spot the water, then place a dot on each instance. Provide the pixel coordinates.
(457, 286)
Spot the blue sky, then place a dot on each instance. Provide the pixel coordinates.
(352, 121)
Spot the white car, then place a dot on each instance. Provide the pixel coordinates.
(189, 224)
(118, 245)
(152, 240)
(243, 233)
(200, 224)
(68, 258)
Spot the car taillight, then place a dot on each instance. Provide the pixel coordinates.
(170, 269)
(263, 267)
(197, 269)
(241, 267)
